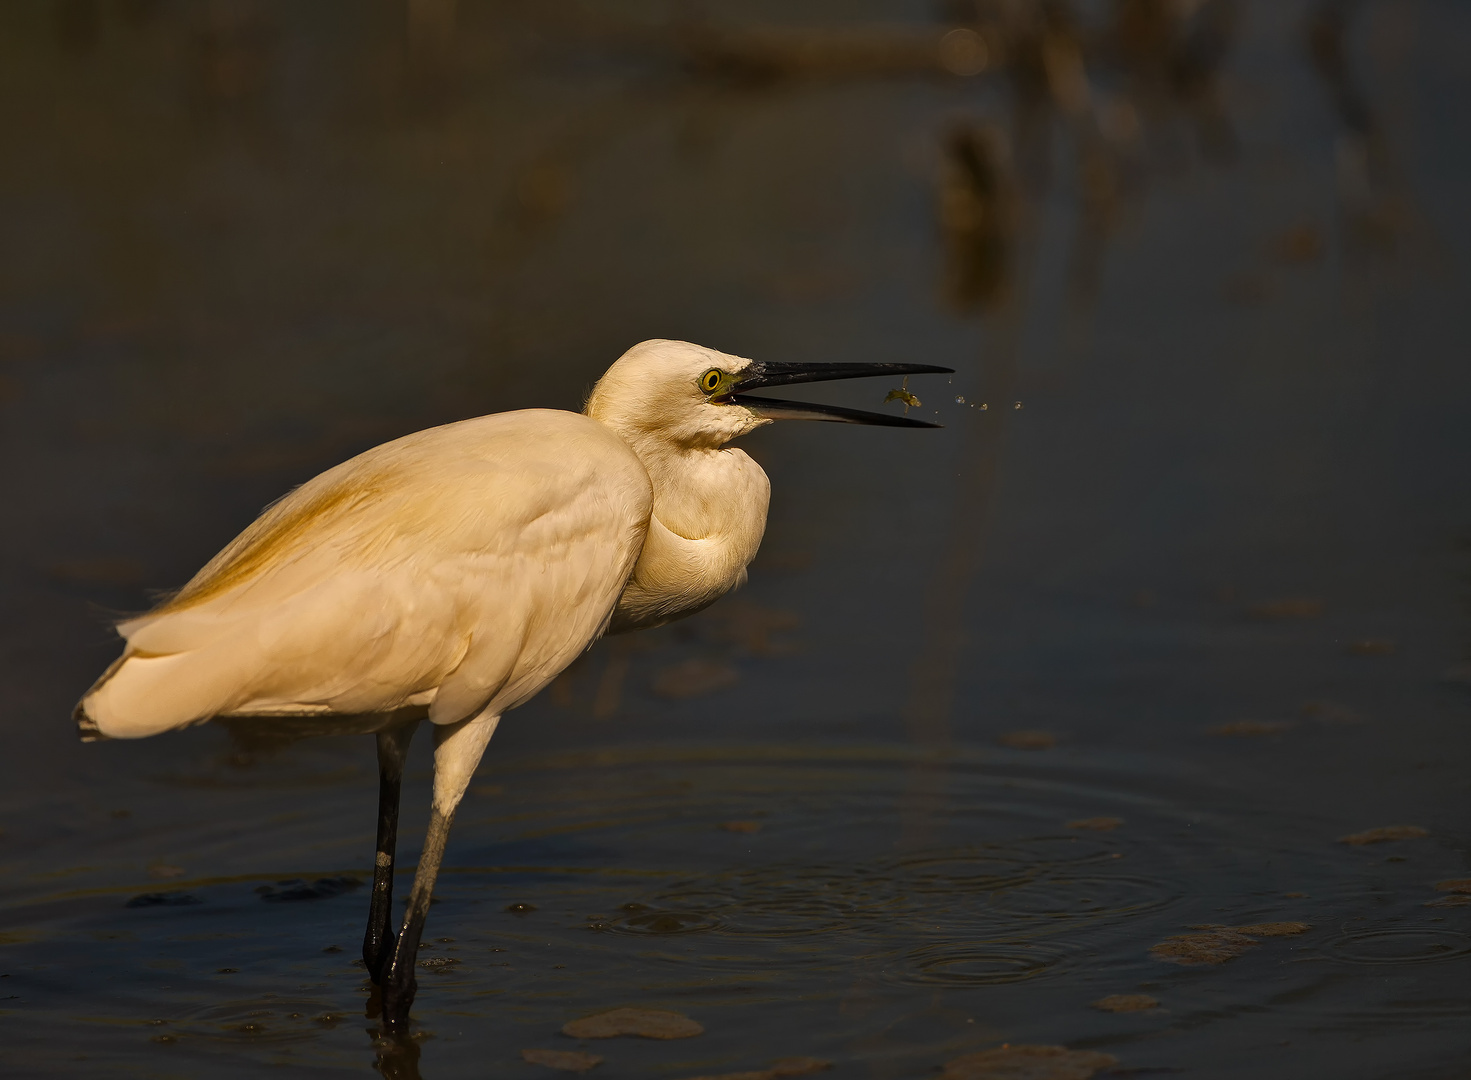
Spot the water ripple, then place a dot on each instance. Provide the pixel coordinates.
(1399, 945)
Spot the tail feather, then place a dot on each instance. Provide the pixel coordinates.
(87, 729)
(149, 694)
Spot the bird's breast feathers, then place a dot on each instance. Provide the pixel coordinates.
(707, 525)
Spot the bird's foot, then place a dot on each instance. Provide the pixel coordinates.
(397, 1000)
(396, 1054)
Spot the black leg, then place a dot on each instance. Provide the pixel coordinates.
(398, 982)
(393, 747)
(457, 750)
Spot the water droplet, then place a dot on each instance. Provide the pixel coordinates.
(960, 399)
(1018, 405)
(984, 406)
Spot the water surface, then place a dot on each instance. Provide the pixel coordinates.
(1190, 553)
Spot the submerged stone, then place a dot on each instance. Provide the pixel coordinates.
(1028, 1063)
(1273, 929)
(565, 1060)
(1215, 944)
(793, 1066)
(1096, 824)
(1383, 834)
(296, 889)
(163, 899)
(1210, 947)
(644, 1023)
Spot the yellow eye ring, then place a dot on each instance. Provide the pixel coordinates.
(710, 381)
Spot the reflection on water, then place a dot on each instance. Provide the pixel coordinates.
(613, 884)
(1376, 210)
(1001, 711)
(1400, 946)
(978, 212)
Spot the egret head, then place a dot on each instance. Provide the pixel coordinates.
(696, 397)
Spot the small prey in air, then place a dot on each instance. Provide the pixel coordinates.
(451, 574)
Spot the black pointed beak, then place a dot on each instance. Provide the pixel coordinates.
(759, 375)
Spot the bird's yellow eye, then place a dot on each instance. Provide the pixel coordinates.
(710, 381)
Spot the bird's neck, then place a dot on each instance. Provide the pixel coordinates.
(709, 515)
(698, 492)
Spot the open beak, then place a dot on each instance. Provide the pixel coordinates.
(759, 374)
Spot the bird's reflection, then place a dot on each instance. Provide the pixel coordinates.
(396, 1054)
(395, 1057)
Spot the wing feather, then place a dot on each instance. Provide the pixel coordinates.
(462, 566)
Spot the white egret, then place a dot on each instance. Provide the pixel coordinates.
(453, 573)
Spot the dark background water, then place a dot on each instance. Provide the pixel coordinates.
(1207, 541)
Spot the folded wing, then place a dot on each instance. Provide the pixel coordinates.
(457, 568)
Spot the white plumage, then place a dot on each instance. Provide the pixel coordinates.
(418, 573)
(455, 572)
(458, 569)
